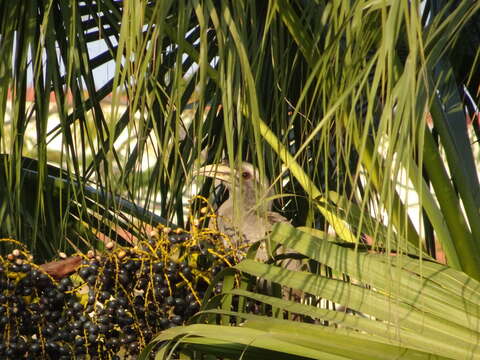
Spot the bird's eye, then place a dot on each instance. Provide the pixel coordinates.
(246, 175)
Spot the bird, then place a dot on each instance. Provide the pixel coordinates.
(246, 216)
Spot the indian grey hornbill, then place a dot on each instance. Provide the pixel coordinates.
(246, 216)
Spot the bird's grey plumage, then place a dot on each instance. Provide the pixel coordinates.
(246, 215)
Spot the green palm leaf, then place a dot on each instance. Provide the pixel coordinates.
(404, 308)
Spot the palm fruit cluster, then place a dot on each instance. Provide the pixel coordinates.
(115, 302)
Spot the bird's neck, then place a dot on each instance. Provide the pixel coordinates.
(248, 201)
(245, 214)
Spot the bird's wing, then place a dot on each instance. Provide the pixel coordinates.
(274, 217)
(290, 264)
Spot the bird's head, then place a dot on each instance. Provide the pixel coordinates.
(245, 184)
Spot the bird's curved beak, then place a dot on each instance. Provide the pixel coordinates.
(220, 172)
